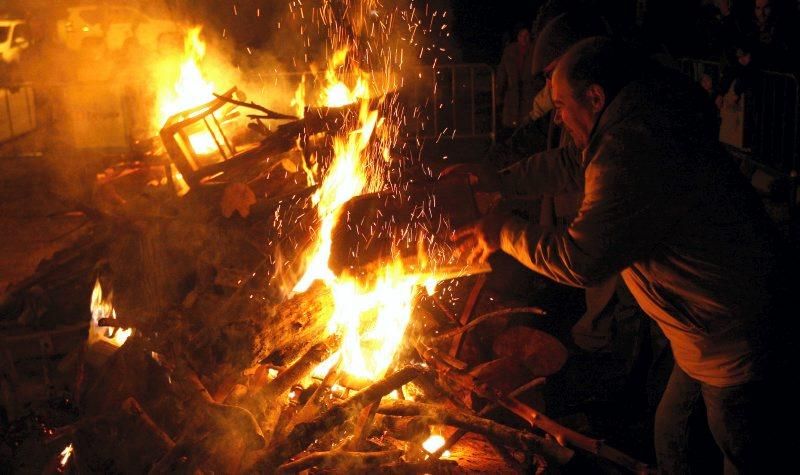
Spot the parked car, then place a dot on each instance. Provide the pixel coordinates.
(115, 26)
(15, 37)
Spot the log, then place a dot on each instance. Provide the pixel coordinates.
(341, 460)
(510, 437)
(413, 224)
(305, 433)
(132, 407)
(410, 429)
(453, 438)
(222, 418)
(315, 404)
(363, 425)
(497, 313)
(301, 368)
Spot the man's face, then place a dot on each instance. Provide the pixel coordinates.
(575, 113)
(763, 11)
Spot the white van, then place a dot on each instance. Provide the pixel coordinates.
(114, 26)
(15, 37)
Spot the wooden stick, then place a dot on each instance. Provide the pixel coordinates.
(300, 368)
(362, 427)
(536, 419)
(443, 308)
(268, 114)
(458, 434)
(487, 316)
(341, 460)
(220, 415)
(304, 433)
(289, 377)
(315, 403)
(511, 437)
(466, 313)
(132, 406)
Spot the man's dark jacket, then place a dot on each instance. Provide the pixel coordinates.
(667, 207)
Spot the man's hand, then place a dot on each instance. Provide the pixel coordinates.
(481, 239)
(481, 177)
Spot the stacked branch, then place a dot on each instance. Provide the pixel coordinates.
(304, 434)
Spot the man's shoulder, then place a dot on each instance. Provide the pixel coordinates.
(627, 140)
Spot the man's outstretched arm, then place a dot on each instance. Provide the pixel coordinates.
(550, 172)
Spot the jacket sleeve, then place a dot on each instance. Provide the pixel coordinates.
(550, 172)
(628, 206)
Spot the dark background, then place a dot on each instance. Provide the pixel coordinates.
(480, 28)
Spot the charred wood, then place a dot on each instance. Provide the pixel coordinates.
(341, 460)
(305, 433)
(511, 437)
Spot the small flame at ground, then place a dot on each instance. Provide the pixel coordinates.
(65, 456)
(103, 308)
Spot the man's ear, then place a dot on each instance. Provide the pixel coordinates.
(596, 97)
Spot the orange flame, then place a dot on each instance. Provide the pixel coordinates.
(371, 319)
(103, 308)
(190, 89)
(434, 443)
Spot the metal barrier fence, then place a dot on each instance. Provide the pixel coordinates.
(17, 111)
(770, 115)
(455, 100)
(446, 101)
(459, 101)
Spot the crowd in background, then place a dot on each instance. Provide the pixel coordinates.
(743, 36)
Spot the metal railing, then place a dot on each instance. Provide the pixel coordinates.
(452, 101)
(771, 115)
(458, 101)
(17, 111)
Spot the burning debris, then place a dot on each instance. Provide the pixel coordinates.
(289, 337)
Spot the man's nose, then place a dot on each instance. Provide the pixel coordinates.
(557, 117)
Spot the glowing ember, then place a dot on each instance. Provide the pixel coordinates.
(65, 456)
(189, 89)
(434, 443)
(103, 308)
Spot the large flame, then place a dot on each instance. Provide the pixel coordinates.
(371, 319)
(103, 308)
(188, 90)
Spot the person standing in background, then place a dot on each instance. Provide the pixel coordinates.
(515, 82)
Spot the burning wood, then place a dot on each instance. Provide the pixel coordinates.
(306, 433)
(341, 460)
(412, 225)
(513, 438)
(318, 275)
